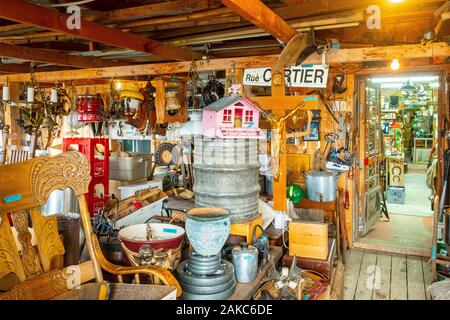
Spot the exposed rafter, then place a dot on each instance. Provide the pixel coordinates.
(148, 10)
(55, 57)
(262, 16)
(156, 9)
(357, 55)
(24, 12)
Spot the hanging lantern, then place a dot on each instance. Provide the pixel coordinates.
(73, 123)
(172, 102)
(89, 108)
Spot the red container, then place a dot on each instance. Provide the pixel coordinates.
(89, 117)
(168, 236)
(88, 103)
(99, 170)
(89, 108)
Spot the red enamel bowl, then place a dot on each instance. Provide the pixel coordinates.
(166, 236)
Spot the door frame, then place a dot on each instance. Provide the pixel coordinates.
(443, 113)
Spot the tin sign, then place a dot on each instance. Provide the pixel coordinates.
(302, 76)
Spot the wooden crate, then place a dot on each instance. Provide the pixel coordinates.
(322, 266)
(308, 239)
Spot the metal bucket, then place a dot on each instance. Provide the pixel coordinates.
(61, 201)
(321, 186)
(227, 175)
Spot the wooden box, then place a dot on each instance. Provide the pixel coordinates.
(308, 239)
(324, 267)
(246, 228)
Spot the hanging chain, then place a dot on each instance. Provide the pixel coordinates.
(194, 83)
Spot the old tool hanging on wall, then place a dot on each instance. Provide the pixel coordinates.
(194, 99)
(326, 103)
(297, 50)
(338, 84)
(213, 90)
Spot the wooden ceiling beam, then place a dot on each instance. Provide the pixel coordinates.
(178, 18)
(22, 11)
(148, 10)
(63, 46)
(14, 68)
(263, 17)
(341, 56)
(54, 57)
(156, 9)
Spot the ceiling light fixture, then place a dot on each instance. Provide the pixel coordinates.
(395, 65)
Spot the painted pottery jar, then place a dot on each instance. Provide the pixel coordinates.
(208, 229)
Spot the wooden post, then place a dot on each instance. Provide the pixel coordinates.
(12, 112)
(351, 183)
(279, 187)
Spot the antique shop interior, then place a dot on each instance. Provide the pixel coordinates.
(224, 150)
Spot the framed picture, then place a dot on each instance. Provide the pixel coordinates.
(315, 127)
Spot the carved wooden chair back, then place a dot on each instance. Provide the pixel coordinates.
(23, 149)
(31, 262)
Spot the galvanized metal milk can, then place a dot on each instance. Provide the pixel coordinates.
(245, 261)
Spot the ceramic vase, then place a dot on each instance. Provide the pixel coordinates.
(208, 229)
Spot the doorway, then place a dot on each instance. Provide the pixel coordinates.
(398, 140)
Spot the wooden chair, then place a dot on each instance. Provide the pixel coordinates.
(14, 153)
(35, 272)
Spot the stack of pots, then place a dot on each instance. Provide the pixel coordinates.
(226, 175)
(205, 276)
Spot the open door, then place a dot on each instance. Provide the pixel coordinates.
(370, 156)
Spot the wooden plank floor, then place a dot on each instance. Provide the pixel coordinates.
(372, 275)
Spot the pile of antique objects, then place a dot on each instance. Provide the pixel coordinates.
(172, 187)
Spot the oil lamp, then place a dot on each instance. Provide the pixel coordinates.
(172, 102)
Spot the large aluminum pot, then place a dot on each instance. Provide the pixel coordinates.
(61, 201)
(321, 186)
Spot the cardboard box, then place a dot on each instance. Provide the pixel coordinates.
(308, 239)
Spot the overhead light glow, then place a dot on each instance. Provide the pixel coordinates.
(396, 1)
(404, 79)
(395, 65)
(391, 85)
(434, 85)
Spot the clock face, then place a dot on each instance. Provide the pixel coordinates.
(166, 156)
(163, 154)
(277, 79)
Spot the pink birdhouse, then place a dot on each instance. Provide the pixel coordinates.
(231, 117)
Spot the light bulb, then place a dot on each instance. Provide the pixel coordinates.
(5, 96)
(395, 65)
(118, 85)
(54, 96)
(30, 95)
(396, 1)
